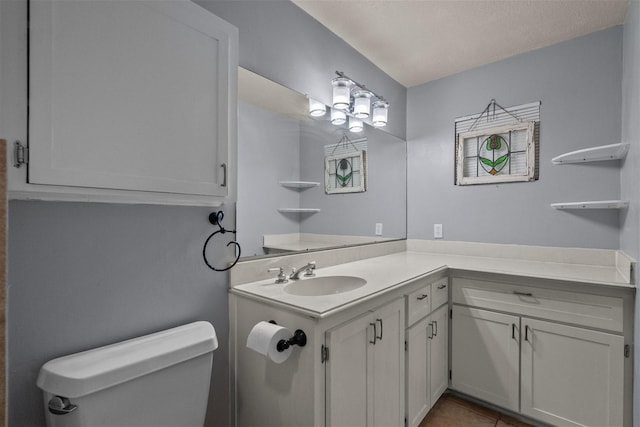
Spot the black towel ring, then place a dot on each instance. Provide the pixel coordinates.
(215, 218)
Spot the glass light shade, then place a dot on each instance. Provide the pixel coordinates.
(316, 108)
(355, 125)
(380, 113)
(361, 103)
(341, 93)
(338, 117)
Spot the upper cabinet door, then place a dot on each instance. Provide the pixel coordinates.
(131, 95)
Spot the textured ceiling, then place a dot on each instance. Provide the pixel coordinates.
(416, 41)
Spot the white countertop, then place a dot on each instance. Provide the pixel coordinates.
(385, 273)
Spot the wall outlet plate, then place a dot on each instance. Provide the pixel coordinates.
(378, 229)
(437, 231)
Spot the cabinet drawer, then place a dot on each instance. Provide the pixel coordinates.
(571, 307)
(418, 304)
(439, 293)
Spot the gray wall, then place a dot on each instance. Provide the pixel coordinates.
(355, 213)
(281, 42)
(579, 84)
(268, 152)
(630, 173)
(82, 275)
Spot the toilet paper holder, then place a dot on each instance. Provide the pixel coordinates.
(298, 338)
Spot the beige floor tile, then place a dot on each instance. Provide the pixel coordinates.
(448, 413)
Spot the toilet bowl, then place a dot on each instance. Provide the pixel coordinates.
(160, 379)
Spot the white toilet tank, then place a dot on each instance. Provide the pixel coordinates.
(160, 379)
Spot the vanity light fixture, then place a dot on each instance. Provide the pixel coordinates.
(338, 117)
(355, 100)
(380, 113)
(341, 93)
(316, 108)
(355, 125)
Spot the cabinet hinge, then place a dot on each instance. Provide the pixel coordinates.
(20, 154)
(627, 351)
(450, 374)
(324, 354)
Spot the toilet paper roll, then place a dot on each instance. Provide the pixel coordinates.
(264, 337)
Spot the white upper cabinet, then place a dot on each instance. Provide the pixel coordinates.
(132, 95)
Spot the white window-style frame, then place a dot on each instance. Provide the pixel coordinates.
(330, 187)
(471, 137)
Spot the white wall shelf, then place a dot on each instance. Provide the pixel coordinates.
(298, 210)
(299, 184)
(600, 204)
(603, 152)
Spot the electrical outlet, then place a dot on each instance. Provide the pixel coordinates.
(378, 229)
(437, 231)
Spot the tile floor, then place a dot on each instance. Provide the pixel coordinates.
(453, 411)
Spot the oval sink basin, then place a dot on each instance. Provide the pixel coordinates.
(329, 285)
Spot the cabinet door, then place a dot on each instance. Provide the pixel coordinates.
(131, 95)
(439, 354)
(418, 393)
(571, 376)
(485, 355)
(388, 365)
(349, 374)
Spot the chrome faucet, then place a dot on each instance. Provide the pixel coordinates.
(307, 268)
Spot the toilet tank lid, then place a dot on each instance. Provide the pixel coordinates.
(83, 373)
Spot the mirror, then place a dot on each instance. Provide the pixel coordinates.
(304, 183)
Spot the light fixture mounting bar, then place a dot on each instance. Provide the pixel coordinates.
(360, 85)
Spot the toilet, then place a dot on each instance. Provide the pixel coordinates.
(160, 379)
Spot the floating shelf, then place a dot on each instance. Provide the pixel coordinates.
(603, 152)
(299, 210)
(299, 184)
(601, 204)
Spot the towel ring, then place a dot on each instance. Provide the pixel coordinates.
(215, 218)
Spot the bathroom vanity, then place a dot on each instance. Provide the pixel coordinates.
(548, 340)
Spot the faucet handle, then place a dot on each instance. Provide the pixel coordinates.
(309, 270)
(282, 278)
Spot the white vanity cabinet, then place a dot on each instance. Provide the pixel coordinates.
(427, 343)
(555, 356)
(365, 369)
(136, 96)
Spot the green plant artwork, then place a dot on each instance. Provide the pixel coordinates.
(494, 154)
(344, 172)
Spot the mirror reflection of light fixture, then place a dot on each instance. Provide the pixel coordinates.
(355, 125)
(352, 99)
(361, 103)
(380, 113)
(316, 108)
(338, 117)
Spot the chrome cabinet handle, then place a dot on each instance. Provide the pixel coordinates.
(435, 333)
(524, 294)
(431, 331)
(375, 335)
(380, 337)
(224, 176)
(421, 297)
(526, 332)
(513, 331)
(442, 286)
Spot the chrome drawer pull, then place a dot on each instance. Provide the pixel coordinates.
(421, 297)
(442, 286)
(524, 294)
